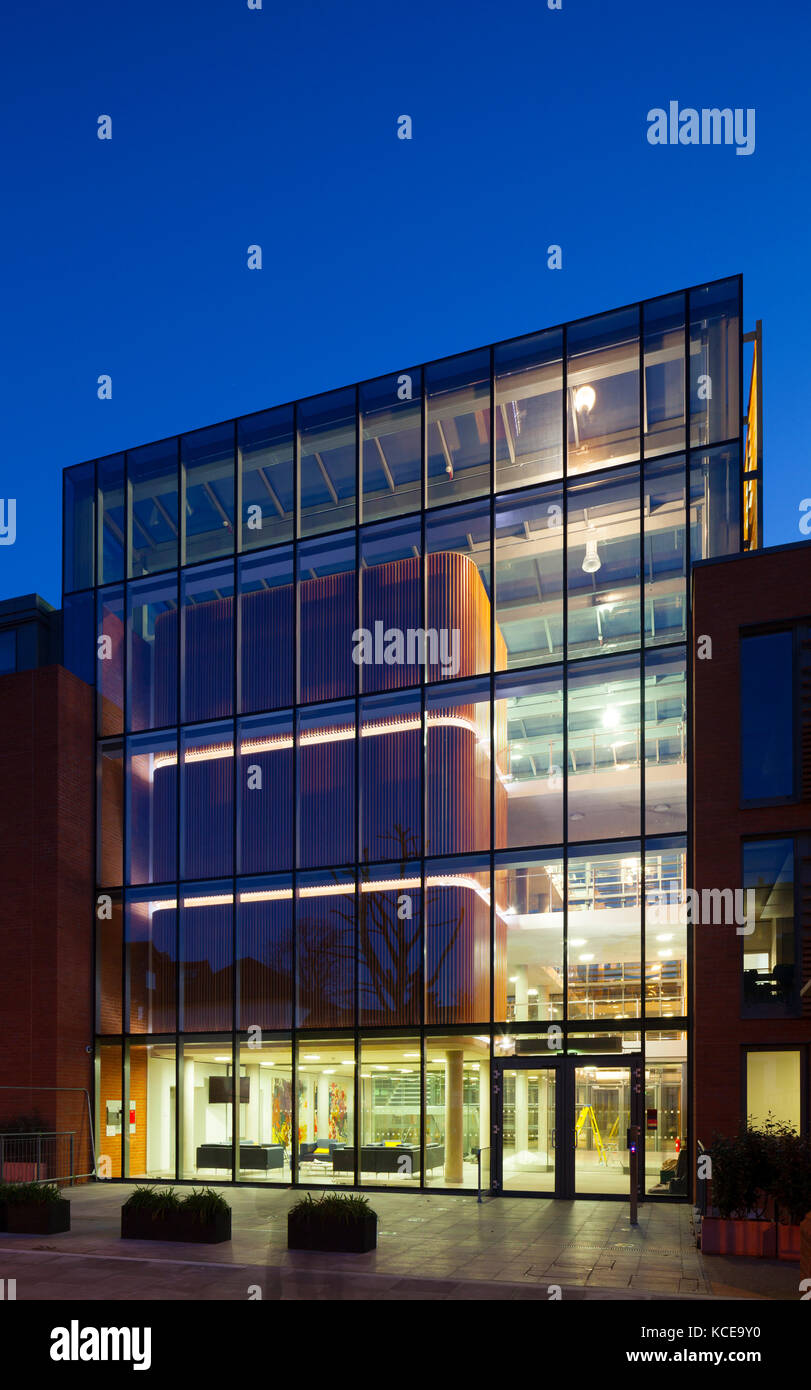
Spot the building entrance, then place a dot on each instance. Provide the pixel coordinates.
(560, 1125)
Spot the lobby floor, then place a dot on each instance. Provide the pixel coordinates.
(429, 1246)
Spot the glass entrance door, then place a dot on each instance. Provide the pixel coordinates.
(560, 1126)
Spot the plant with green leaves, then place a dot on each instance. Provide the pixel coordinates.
(334, 1208)
(153, 1201)
(204, 1205)
(29, 1194)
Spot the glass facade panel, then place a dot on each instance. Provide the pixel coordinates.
(327, 602)
(769, 943)
(152, 1090)
(207, 801)
(265, 1149)
(774, 1087)
(389, 1140)
(604, 947)
(663, 321)
(267, 611)
(390, 944)
(665, 928)
(265, 446)
(154, 524)
(457, 544)
(207, 1109)
(604, 748)
(112, 529)
(528, 963)
(665, 741)
(767, 716)
(207, 654)
(405, 820)
(457, 393)
(327, 463)
(151, 808)
(529, 577)
(264, 953)
(388, 650)
(604, 563)
(602, 386)
(151, 950)
(457, 940)
(265, 794)
(529, 759)
(457, 1108)
(390, 777)
(529, 410)
(325, 1110)
(714, 363)
(80, 512)
(715, 503)
(152, 653)
(391, 435)
(110, 655)
(664, 523)
(325, 801)
(457, 769)
(207, 477)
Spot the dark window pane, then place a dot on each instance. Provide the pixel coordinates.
(266, 617)
(152, 484)
(109, 970)
(207, 597)
(457, 745)
(769, 951)
(151, 933)
(151, 808)
(265, 453)
(391, 423)
(767, 716)
(153, 652)
(265, 794)
(390, 756)
(390, 944)
(327, 604)
(206, 956)
(79, 526)
(325, 949)
(457, 544)
(390, 605)
(457, 941)
(207, 472)
(112, 530)
(207, 801)
(110, 851)
(79, 636)
(110, 649)
(326, 785)
(265, 953)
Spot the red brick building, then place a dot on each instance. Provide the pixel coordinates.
(46, 870)
(751, 827)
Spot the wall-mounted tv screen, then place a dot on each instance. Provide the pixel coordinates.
(221, 1090)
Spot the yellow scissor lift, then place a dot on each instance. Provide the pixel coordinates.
(587, 1113)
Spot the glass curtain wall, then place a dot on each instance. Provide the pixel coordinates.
(391, 701)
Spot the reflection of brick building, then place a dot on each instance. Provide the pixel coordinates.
(46, 817)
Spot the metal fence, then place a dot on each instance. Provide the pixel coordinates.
(33, 1157)
(46, 1134)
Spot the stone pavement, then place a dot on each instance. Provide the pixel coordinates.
(433, 1246)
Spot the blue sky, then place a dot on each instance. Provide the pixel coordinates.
(278, 127)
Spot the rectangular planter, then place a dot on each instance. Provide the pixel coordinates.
(35, 1218)
(728, 1236)
(788, 1243)
(176, 1225)
(351, 1238)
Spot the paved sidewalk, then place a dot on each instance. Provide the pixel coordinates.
(430, 1246)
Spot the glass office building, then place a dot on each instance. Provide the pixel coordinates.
(392, 750)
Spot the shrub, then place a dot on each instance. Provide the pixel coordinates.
(333, 1209)
(792, 1184)
(25, 1193)
(205, 1205)
(153, 1201)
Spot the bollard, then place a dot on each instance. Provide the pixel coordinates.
(633, 1156)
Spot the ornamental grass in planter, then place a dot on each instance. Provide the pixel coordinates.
(336, 1221)
(203, 1217)
(756, 1175)
(33, 1208)
(791, 1189)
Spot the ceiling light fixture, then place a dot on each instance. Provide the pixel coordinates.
(591, 559)
(585, 398)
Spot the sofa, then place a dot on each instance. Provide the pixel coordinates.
(307, 1150)
(383, 1158)
(252, 1157)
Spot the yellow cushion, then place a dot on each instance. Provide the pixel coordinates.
(320, 1151)
(393, 1143)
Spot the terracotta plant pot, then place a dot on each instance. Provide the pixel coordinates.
(728, 1236)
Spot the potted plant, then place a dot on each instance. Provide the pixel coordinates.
(33, 1208)
(743, 1174)
(792, 1188)
(150, 1214)
(336, 1221)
